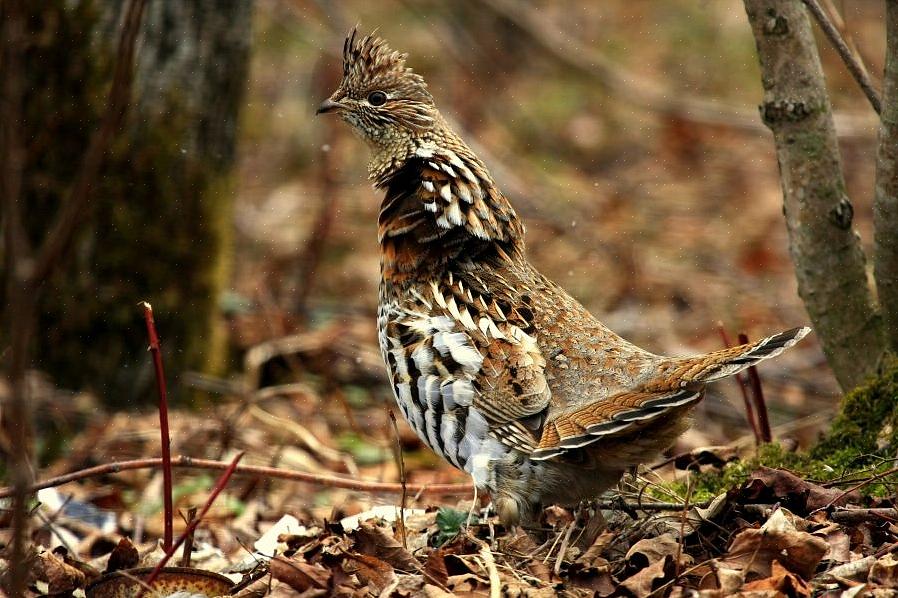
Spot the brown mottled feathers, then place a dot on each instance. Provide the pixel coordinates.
(495, 367)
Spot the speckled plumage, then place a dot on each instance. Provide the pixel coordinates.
(495, 367)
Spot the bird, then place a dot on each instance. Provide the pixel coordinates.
(494, 366)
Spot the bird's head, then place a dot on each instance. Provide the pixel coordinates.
(384, 101)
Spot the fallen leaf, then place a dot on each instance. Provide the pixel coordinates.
(884, 572)
(646, 580)
(435, 571)
(781, 580)
(299, 574)
(123, 556)
(768, 486)
(59, 576)
(649, 550)
(376, 541)
(374, 572)
(754, 550)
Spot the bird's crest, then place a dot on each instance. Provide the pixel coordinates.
(369, 60)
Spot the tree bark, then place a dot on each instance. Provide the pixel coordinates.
(829, 262)
(158, 220)
(885, 203)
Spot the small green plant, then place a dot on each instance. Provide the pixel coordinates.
(450, 522)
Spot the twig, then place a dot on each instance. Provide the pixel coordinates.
(749, 410)
(757, 393)
(216, 490)
(562, 550)
(490, 563)
(400, 461)
(851, 61)
(156, 352)
(188, 543)
(330, 481)
(858, 486)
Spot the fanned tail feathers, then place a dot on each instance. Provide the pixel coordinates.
(677, 387)
(721, 364)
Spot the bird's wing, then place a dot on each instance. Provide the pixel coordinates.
(616, 415)
(453, 350)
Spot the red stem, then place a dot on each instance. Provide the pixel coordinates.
(758, 394)
(163, 425)
(191, 527)
(749, 411)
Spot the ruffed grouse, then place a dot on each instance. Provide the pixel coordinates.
(497, 368)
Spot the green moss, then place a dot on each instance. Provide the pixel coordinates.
(866, 428)
(861, 443)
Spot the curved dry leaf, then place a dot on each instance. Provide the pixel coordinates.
(376, 541)
(884, 572)
(646, 580)
(60, 576)
(754, 550)
(299, 574)
(649, 550)
(374, 572)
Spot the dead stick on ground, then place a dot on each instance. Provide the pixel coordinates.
(191, 527)
(156, 352)
(400, 461)
(758, 395)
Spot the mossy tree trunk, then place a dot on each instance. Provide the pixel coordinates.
(829, 261)
(158, 221)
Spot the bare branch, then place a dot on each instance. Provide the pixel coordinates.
(330, 481)
(852, 62)
(829, 262)
(885, 202)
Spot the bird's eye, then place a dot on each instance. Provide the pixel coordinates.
(377, 98)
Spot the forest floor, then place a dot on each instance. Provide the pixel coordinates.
(669, 230)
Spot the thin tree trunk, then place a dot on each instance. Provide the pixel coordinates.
(885, 204)
(826, 251)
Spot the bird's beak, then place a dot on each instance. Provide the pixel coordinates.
(328, 105)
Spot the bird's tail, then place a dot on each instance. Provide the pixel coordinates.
(727, 362)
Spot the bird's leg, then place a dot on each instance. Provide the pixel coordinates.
(471, 510)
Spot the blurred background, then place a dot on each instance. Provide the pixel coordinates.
(625, 133)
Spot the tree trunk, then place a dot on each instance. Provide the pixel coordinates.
(159, 218)
(885, 204)
(826, 251)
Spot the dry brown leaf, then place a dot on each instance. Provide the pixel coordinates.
(593, 554)
(557, 516)
(299, 574)
(372, 571)
(377, 541)
(59, 576)
(884, 572)
(646, 580)
(435, 571)
(123, 556)
(649, 550)
(768, 486)
(754, 550)
(781, 580)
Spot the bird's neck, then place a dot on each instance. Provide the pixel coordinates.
(441, 206)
